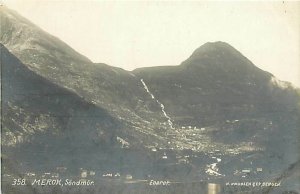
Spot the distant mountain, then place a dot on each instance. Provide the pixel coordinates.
(223, 92)
(217, 83)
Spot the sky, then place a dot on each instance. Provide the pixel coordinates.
(132, 34)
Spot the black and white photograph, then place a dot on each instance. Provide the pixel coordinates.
(150, 97)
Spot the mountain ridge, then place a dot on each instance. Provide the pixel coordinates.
(49, 57)
(11, 20)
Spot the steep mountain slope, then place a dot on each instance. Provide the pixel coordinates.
(41, 117)
(46, 126)
(115, 89)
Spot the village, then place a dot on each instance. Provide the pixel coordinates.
(212, 168)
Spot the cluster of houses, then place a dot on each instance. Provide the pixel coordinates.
(194, 128)
(44, 175)
(86, 173)
(180, 159)
(118, 175)
(59, 172)
(83, 173)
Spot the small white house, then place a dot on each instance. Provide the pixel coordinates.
(92, 173)
(107, 175)
(165, 156)
(83, 174)
(30, 174)
(55, 175)
(128, 176)
(246, 170)
(259, 169)
(183, 161)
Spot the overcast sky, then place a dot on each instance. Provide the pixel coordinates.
(137, 34)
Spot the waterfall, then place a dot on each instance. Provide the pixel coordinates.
(159, 103)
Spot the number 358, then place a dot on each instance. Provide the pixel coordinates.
(19, 182)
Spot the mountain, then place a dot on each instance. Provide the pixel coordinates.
(114, 88)
(58, 104)
(167, 122)
(45, 126)
(217, 83)
(39, 116)
(234, 102)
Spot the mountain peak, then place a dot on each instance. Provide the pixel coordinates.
(217, 53)
(217, 43)
(218, 47)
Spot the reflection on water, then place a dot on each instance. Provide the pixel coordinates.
(213, 188)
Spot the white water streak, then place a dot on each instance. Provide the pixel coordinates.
(159, 103)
